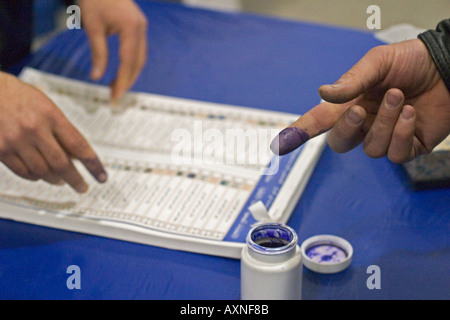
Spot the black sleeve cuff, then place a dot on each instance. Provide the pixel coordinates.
(438, 44)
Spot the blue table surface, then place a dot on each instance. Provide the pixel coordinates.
(259, 62)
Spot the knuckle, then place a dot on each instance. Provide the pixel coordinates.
(128, 20)
(77, 145)
(385, 120)
(350, 75)
(31, 127)
(22, 172)
(45, 108)
(402, 137)
(60, 165)
(48, 110)
(51, 113)
(143, 20)
(135, 22)
(39, 170)
(376, 50)
(13, 137)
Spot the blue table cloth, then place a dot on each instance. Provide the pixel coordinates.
(264, 63)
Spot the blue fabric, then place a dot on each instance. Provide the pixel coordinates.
(269, 64)
(45, 16)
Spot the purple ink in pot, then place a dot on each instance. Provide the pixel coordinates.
(271, 242)
(272, 236)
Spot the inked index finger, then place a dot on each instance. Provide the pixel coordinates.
(78, 148)
(318, 120)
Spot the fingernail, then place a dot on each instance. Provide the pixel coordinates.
(393, 100)
(407, 113)
(335, 85)
(353, 117)
(96, 73)
(82, 188)
(288, 140)
(102, 177)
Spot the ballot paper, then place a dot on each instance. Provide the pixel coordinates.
(182, 174)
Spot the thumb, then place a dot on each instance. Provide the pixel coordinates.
(367, 72)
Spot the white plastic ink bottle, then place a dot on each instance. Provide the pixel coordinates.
(271, 264)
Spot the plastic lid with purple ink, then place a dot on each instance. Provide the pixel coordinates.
(326, 253)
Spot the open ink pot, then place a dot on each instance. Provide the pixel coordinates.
(272, 239)
(326, 253)
(271, 264)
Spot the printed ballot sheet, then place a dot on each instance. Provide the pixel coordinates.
(174, 165)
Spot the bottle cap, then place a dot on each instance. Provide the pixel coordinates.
(326, 253)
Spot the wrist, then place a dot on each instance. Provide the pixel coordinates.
(438, 45)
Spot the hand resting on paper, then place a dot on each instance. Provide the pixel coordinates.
(37, 141)
(393, 100)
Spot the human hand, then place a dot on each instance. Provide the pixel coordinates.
(37, 141)
(102, 18)
(393, 100)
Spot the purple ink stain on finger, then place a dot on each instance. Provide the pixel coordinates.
(96, 168)
(288, 140)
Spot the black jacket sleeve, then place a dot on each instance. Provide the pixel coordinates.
(16, 31)
(438, 44)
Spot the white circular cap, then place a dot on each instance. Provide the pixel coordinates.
(326, 253)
